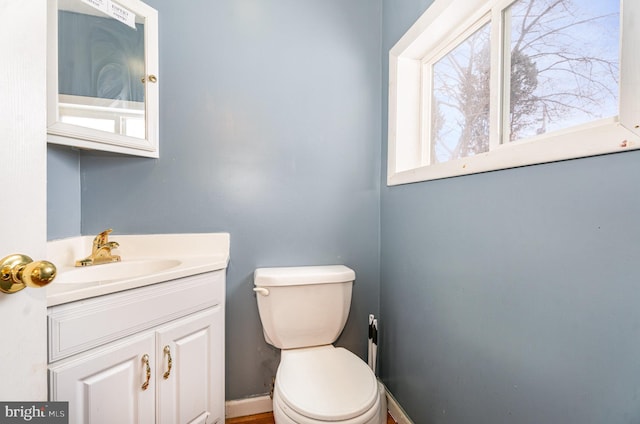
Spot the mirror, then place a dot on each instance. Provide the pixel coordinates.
(102, 78)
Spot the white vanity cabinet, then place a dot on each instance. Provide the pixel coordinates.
(109, 355)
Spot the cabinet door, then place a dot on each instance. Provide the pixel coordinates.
(105, 385)
(193, 390)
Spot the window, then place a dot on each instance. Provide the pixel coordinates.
(480, 85)
(459, 113)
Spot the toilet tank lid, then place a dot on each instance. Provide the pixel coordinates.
(294, 276)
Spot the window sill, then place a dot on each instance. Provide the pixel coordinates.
(605, 136)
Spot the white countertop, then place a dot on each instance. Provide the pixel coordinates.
(191, 254)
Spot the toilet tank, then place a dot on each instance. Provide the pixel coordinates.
(303, 306)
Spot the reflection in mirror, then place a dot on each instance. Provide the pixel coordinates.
(102, 85)
(100, 70)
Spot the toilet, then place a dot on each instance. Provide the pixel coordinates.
(303, 311)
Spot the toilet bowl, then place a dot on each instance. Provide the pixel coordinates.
(325, 384)
(303, 310)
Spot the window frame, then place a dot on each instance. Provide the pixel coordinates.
(438, 31)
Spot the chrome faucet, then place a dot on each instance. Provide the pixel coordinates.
(101, 251)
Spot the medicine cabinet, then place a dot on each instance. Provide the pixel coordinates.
(102, 76)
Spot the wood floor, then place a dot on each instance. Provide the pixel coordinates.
(267, 418)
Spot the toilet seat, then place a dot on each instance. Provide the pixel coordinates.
(326, 384)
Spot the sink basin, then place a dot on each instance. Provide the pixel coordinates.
(146, 259)
(124, 270)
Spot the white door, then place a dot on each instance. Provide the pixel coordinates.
(23, 181)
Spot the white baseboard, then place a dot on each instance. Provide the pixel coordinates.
(395, 410)
(261, 404)
(248, 406)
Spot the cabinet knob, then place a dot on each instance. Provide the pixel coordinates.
(20, 271)
(150, 78)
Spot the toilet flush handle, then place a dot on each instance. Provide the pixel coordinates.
(261, 290)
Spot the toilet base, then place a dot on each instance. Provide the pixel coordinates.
(284, 415)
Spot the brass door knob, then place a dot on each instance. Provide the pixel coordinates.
(20, 271)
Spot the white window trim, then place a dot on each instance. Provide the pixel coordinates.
(443, 22)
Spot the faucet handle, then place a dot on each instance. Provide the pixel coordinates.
(103, 237)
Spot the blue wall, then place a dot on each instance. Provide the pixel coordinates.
(270, 130)
(512, 296)
(63, 192)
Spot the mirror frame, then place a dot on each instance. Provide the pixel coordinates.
(88, 138)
